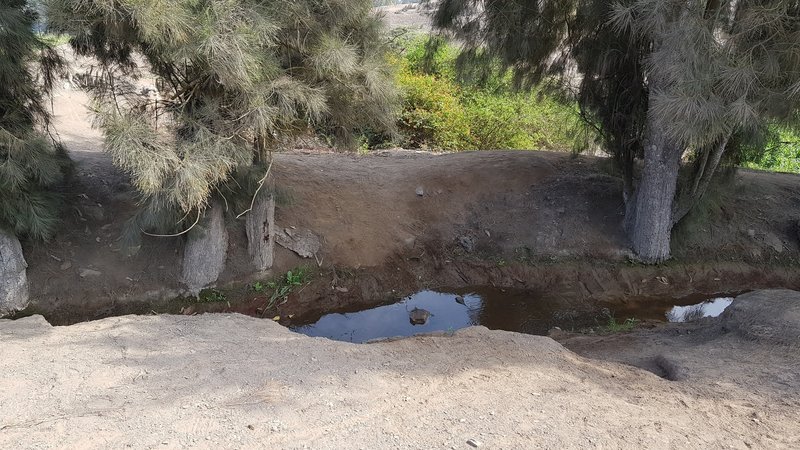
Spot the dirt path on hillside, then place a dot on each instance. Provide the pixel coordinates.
(229, 381)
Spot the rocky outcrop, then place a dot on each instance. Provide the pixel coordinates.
(206, 250)
(301, 241)
(771, 316)
(260, 227)
(13, 279)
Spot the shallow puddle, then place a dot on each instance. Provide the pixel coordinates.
(710, 308)
(498, 309)
(503, 309)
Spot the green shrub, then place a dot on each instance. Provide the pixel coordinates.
(432, 115)
(441, 111)
(779, 151)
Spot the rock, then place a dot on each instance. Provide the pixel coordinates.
(85, 273)
(420, 191)
(67, 265)
(467, 243)
(205, 252)
(460, 299)
(751, 232)
(419, 316)
(260, 227)
(771, 316)
(473, 443)
(303, 241)
(13, 278)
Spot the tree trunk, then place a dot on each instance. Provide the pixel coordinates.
(260, 227)
(205, 251)
(703, 177)
(651, 225)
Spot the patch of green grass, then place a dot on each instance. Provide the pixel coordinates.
(282, 286)
(618, 327)
(211, 296)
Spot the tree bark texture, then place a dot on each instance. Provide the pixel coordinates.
(651, 225)
(206, 251)
(260, 227)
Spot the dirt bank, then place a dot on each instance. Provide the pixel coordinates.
(538, 221)
(229, 381)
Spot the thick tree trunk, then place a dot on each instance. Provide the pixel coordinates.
(260, 226)
(206, 250)
(651, 224)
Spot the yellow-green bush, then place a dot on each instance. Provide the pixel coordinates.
(432, 115)
(442, 112)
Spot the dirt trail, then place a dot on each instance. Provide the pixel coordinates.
(229, 381)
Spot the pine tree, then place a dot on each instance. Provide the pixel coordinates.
(660, 79)
(31, 166)
(236, 80)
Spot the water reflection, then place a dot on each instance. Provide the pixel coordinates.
(497, 309)
(505, 309)
(710, 308)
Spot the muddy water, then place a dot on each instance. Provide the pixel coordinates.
(501, 309)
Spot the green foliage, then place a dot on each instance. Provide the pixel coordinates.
(432, 115)
(778, 151)
(31, 167)
(445, 111)
(236, 80)
(282, 286)
(211, 296)
(616, 327)
(258, 287)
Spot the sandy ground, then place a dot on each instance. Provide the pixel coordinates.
(230, 381)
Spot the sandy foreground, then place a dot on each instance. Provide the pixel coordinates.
(231, 381)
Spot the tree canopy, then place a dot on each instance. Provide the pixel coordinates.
(235, 80)
(31, 166)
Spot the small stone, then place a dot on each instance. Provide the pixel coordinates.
(419, 316)
(66, 265)
(420, 191)
(88, 273)
(251, 427)
(473, 443)
(751, 232)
